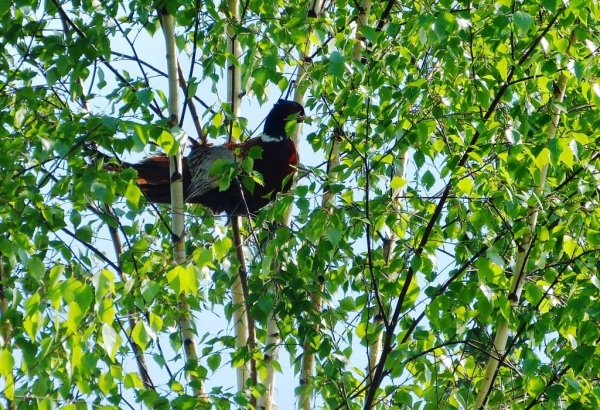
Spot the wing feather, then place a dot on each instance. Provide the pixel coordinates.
(201, 160)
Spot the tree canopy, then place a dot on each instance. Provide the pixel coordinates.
(439, 248)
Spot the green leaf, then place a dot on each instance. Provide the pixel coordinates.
(523, 21)
(106, 383)
(543, 158)
(592, 236)
(428, 179)
(36, 268)
(183, 280)
(75, 218)
(502, 67)
(4, 8)
(217, 119)
(134, 196)
(74, 317)
(155, 322)
(569, 246)
(150, 290)
(106, 311)
(85, 233)
(142, 334)
(132, 381)
(567, 154)
(111, 340)
(167, 142)
(140, 135)
(535, 385)
(6, 363)
(397, 182)
(262, 308)
(337, 65)
(222, 247)
(247, 165)
(347, 304)
(52, 76)
(102, 192)
(145, 96)
(465, 185)
(334, 236)
(255, 152)
(213, 361)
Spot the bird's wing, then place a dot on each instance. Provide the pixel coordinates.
(201, 160)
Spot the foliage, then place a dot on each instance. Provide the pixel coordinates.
(462, 88)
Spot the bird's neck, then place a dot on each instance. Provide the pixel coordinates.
(274, 130)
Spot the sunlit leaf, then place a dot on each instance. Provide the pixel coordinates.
(522, 20)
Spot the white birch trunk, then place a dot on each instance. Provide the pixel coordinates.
(187, 328)
(234, 91)
(308, 359)
(520, 272)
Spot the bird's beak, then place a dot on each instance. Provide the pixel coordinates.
(301, 117)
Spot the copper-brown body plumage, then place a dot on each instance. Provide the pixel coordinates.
(277, 166)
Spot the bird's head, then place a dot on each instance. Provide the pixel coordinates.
(278, 117)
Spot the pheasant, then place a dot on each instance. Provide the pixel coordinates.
(277, 165)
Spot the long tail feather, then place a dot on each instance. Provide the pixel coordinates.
(154, 178)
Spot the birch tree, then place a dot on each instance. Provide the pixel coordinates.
(438, 249)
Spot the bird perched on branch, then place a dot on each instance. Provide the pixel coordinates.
(277, 165)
